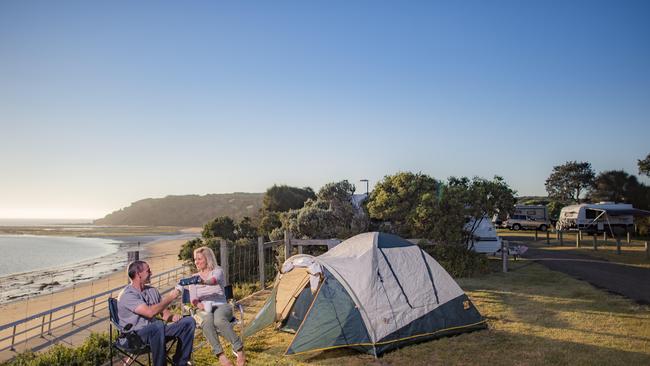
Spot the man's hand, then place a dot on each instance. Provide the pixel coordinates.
(173, 294)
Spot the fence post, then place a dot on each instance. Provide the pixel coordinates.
(260, 258)
(548, 237)
(578, 235)
(287, 244)
(49, 324)
(223, 252)
(74, 311)
(93, 313)
(618, 246)
(647, 251)
(299, 249)
(605, 237)
(42, 326)
(504, 255)
(595, 241)
(561, 233)
(629, 238)
(13, 338)
(535, 234)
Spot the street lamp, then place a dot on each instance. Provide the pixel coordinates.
(365, 180)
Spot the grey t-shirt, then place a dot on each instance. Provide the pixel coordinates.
(129, 299)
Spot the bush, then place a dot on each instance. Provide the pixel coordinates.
(459, 261)
(94, 351)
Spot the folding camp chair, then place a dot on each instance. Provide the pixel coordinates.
(128, 343)
(229, 296)
(235, 305)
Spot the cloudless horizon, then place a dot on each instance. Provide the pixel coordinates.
(104, 104)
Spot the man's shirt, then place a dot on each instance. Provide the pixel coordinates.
(129, 299)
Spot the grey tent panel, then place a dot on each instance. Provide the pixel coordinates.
(332, 321)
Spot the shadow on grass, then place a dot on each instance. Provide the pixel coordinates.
(492, 347)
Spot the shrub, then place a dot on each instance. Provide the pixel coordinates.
(94, 351)
(459, 261)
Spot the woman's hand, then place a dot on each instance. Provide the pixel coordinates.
(200, 306)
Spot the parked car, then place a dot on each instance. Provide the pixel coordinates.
(518, 222)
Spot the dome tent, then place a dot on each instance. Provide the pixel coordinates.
(292, 293)
(378, 292)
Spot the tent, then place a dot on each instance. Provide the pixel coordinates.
(374, 292)
(291, 296)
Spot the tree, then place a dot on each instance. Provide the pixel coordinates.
(221, 227)
(644, 166)
(331, 215)
(568, 181)
(396, 199)
(245, 229)
(284, 198)
(615, 186)
(270, 221)
(444, 220)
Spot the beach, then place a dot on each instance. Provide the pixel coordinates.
(160, 254)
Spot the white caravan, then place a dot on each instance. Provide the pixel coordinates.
(485, 239)
(598, 217)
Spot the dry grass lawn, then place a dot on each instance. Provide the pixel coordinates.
(536, 317)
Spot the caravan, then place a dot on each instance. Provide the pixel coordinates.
(598, 217)
(484, 236)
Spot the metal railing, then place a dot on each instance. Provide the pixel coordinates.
(69, 313)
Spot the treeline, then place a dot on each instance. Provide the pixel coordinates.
(186, 210)
(412, 205)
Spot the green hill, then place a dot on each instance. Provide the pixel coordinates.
(187, 210)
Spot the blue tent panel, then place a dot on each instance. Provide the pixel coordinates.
(332, 321)
(298, 311)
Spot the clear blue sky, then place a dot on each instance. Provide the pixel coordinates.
(102, 104)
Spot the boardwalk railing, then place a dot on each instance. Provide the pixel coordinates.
(41, 324)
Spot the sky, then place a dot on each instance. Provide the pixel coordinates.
(106, 103)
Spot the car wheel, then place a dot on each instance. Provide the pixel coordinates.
(516, 227)
(542, 227)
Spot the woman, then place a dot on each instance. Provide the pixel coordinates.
(215, 312)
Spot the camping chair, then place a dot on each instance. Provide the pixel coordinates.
(128, 343)
(235, 305)
(231, 299)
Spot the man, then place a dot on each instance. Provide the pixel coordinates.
(138, 304)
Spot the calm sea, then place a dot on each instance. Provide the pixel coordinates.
(22, 253)
(44, 222)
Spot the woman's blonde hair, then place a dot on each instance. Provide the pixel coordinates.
(209, 257)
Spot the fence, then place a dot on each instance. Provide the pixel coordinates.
(45, 323)
(246, 263)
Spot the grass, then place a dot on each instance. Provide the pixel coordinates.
(535, 316)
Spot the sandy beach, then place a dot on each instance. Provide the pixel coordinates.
(161, 255)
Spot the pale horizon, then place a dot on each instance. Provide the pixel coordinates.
(104, 104)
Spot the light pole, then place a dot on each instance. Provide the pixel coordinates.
(365, 180)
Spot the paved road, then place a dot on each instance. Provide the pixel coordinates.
(629, 281)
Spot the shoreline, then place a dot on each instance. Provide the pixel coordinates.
(161, 254)
(36, 282)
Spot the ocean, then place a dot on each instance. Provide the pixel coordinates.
(23, 253)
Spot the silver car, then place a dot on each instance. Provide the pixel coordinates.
(518, 222)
